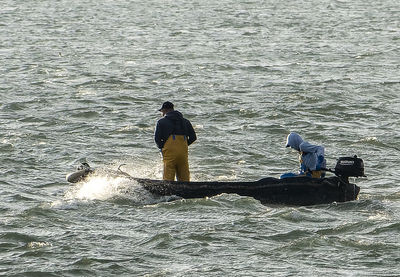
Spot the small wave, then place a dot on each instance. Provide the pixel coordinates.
(161, 240)
(37, 244)
(19, 237)
(15, 106)
(370, 139)
(87, 92)
(86, 114)
(374, 141)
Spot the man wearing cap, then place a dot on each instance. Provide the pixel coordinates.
(311, 157)
(173, 135)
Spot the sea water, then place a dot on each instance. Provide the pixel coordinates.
(81, 81)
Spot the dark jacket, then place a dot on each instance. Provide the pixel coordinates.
(173, 123)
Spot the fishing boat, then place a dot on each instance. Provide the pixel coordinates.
(302, 191)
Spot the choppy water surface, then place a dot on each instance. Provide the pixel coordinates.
(82, 81)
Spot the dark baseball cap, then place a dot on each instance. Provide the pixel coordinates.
(167, 105)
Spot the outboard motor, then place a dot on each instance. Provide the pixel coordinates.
(349, 167)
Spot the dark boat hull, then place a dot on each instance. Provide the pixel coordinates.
(290, 191)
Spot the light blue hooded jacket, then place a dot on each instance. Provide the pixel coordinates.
(312, 156)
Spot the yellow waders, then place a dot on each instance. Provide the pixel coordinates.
(316, 174)
(175, 158)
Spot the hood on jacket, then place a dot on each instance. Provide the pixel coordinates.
(294, 140)
(174, 115)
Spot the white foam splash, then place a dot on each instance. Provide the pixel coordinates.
(99, 188)
(105, 185)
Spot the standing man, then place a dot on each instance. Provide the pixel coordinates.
(173, 135)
